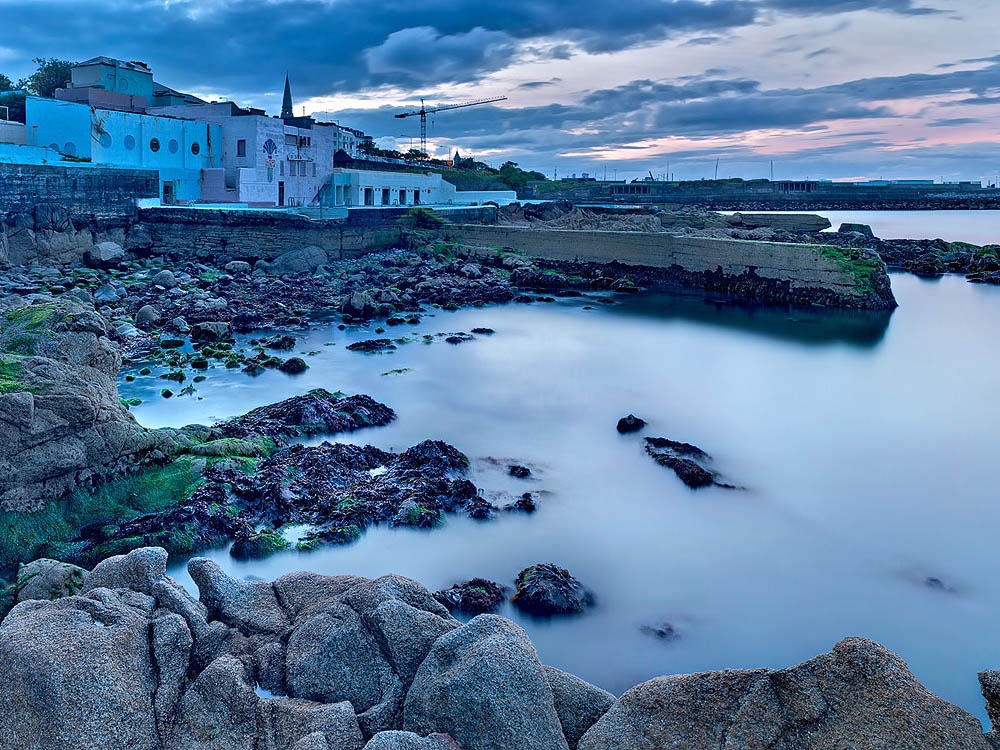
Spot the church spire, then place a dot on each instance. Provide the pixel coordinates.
(286, 101)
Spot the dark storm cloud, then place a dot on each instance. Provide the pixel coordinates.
(531, 85)
(343, 46)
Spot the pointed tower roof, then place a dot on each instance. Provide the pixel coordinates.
(286, 100)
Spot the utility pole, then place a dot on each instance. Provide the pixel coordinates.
(716, 169)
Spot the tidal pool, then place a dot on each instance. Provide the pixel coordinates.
(866, 445)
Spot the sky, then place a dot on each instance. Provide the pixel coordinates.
(824, 89)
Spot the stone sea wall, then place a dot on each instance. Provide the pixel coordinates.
(766, 271)
(83, 190)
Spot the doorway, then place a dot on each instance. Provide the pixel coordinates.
(281, 193)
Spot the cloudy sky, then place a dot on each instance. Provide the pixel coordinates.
(825, 88)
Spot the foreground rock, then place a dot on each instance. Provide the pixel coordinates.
(349, 660)
(859, 695)
(630, 423)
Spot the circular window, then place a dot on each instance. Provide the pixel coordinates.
(105, 140)
(69, 148)
(195, 148)
(154, 145)
(172, 146)
(54, 146)
(129, 143)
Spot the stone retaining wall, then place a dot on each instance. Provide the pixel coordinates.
(83, 190)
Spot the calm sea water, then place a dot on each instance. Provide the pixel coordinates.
(977, 227)
(867, 446)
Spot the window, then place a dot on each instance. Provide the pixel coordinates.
(314, 169)
(105, 140)
(282, 169)
(195, 148)
(154, 145)
(302, 169)
(385, 196)
(69, 148)
(241, 147)
(129, 143)
(172, 146)
(416, 197)
(402, 197)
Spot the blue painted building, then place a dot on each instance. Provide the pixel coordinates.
(178, 149)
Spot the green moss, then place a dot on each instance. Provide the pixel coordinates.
(10, 377)
(397, 371)
(34, 318)
(858, 263)
(306, 545)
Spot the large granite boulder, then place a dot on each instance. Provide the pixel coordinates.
(104, 255)
(48, 579)
(304, 260)
(578, 703)
(484, 685)
(78, 673)
(365, 646)
(858, 695)
(250, 607)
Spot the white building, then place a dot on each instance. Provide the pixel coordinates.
(359, 188)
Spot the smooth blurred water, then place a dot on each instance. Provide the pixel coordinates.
(867, 446)
(977, 227)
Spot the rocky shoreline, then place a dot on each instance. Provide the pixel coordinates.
(313, 662)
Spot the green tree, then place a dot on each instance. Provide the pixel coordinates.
(5, 83)
(51, 74)
(13, 106)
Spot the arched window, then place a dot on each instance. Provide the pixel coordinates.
(154, 145)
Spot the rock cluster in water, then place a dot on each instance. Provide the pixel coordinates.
(313, 662)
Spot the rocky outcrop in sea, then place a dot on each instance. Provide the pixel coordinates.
(125, 657)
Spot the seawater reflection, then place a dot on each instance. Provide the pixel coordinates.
(866, 448)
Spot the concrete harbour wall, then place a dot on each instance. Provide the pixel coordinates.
(772, 271)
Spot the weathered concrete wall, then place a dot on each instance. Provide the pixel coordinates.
(777, 272)
(84, 191)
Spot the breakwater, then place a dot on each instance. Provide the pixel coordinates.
(771, 272)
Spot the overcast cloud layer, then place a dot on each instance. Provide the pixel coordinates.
(824, 88)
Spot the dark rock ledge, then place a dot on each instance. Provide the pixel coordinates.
(349, 663)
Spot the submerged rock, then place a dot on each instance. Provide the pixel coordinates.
(521, 472)
(546, 589)
(370, 346)
(686, 460)
(631, 423)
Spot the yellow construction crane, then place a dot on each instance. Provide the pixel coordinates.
(423, 112)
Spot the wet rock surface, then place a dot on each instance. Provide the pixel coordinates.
(315, 412)
(474, 597)
(630, 423)
(687, 461)
(546, 589)
(348, 660)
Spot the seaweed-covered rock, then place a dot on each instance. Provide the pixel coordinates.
(686, 460)
(474, 597)
(370, 346)
(315, 412)
(546, 589)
